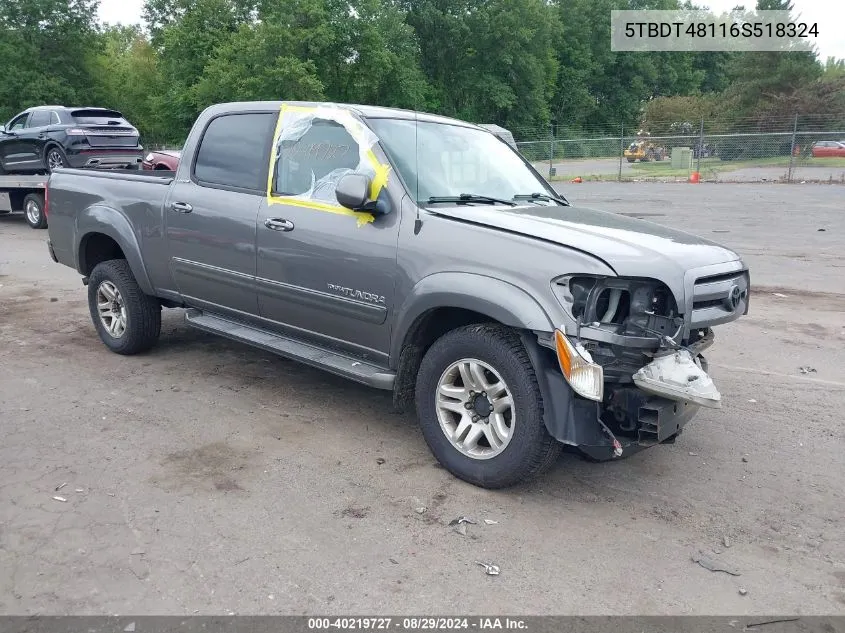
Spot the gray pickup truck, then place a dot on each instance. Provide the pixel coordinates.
(412, 253)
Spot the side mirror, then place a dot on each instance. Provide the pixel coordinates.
(353, 191)
(2, 129)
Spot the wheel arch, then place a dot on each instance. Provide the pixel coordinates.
(467, 294)
(105, 234)
(443, 302)
(48, 145)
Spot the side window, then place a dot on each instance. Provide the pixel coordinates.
(313, 163)
(40, 118)
(54, 119)
(19, 123)
(235, 150)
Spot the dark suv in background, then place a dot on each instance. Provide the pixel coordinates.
(44, 138)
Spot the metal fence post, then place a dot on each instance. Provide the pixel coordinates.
(621, 149)
(700, 148)
(551, 150)
(792, 150)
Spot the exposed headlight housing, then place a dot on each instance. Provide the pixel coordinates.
(149, 158)
(623, 305)
(584, 376)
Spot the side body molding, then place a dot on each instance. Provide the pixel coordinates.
(108, 221)
(498, 299)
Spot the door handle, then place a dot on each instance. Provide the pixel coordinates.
(181, 207)
(279, 224)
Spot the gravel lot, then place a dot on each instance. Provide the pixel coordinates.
(207, 477)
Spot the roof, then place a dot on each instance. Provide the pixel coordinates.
(366, 111)
(68, 108)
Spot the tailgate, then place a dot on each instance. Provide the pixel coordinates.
(110, 136)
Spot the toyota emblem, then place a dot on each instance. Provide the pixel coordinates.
(734, 297)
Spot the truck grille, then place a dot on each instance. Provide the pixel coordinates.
(720, 298)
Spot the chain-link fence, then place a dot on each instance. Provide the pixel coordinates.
(785, 149)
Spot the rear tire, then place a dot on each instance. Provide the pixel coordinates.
(127, 320)
(508, 375)
(33, 208)
(54, 158)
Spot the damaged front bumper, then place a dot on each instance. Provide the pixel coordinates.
(652, 408)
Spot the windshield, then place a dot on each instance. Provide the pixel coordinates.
(438, 160)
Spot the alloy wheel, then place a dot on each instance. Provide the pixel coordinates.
(112, 309)
(475, 409)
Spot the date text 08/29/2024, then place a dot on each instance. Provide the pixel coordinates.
(416, 623)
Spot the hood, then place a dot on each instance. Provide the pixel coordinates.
(631, 247)
(170, 152)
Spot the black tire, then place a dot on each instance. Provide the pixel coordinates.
(33, 208)
(142, 312)
(531, 449)
(56, 151)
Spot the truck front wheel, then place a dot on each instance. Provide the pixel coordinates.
(127, 320)
(480, 407)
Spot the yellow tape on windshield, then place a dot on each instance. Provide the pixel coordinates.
(359, 133)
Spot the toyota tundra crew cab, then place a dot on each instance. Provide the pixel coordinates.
(417, 254)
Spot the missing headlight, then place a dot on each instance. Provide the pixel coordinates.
(630, 306)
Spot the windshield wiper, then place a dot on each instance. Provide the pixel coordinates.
(542, 196)
(470, 197)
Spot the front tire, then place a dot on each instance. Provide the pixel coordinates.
(127, 320)
(33, 208)
(480, 407)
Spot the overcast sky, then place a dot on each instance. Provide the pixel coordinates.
(829, 14)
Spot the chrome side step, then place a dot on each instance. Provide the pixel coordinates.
(338, 364)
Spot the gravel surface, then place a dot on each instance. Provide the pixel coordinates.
(208, 477)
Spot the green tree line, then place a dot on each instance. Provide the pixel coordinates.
(524, 64)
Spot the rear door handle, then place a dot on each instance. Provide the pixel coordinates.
(279, 224)
(181, 207)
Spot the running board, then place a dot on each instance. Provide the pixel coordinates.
(338, 364)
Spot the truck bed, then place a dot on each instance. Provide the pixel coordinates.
(83, 200)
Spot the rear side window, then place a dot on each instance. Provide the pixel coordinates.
(98, 117)
(40, 118)
(234, 151)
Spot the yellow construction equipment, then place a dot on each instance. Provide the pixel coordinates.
(644, 150)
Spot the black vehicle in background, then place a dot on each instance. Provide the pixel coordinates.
(45, 138)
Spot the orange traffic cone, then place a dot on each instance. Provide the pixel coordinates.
(577, 179)
(695, 177)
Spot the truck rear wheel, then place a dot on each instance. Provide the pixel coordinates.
(33, 208)
(127, 320)
(480, 407)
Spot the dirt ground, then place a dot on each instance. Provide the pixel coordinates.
(207, 477)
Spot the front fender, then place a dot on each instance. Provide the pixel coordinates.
(497, 299)
(110, 222)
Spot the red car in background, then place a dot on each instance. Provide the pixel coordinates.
(826, 149)
(167, 160)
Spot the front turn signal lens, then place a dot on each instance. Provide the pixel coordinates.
(584, 376)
